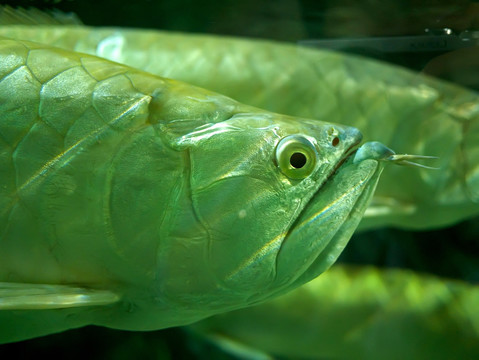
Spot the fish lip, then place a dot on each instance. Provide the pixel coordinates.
(348, 153)
(351, 150)
(340, 241)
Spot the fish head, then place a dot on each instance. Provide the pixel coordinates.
(268, 203)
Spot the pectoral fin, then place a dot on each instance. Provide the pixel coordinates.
(19, 296)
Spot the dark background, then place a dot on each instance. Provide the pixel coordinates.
(282, 19)
(299, 20)
(452, 252)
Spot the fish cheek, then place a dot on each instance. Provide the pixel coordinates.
(242, 205)
(245, 219)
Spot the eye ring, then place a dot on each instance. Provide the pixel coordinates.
(296, 156)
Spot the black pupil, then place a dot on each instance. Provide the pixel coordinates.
(297, 160)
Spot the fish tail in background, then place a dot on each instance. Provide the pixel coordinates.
(363, 313)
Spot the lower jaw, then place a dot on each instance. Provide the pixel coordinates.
(331, 251)
(342, 236)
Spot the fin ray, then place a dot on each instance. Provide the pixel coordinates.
(33, 16)
(20, 296)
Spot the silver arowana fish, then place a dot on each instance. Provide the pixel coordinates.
(408, 112)
(346, 312)
(136, 202)
(358, 75)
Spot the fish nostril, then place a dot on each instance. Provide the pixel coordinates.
(335, 141)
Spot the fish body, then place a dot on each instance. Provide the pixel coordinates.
(409, 112)
(137, 202)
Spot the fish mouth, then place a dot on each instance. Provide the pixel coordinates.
(340, 239)
(348, 153)
(325, 225)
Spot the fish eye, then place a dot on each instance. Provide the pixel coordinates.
(297, 160)
(296, 156)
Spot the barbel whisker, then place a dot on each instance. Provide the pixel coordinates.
(404, 160)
